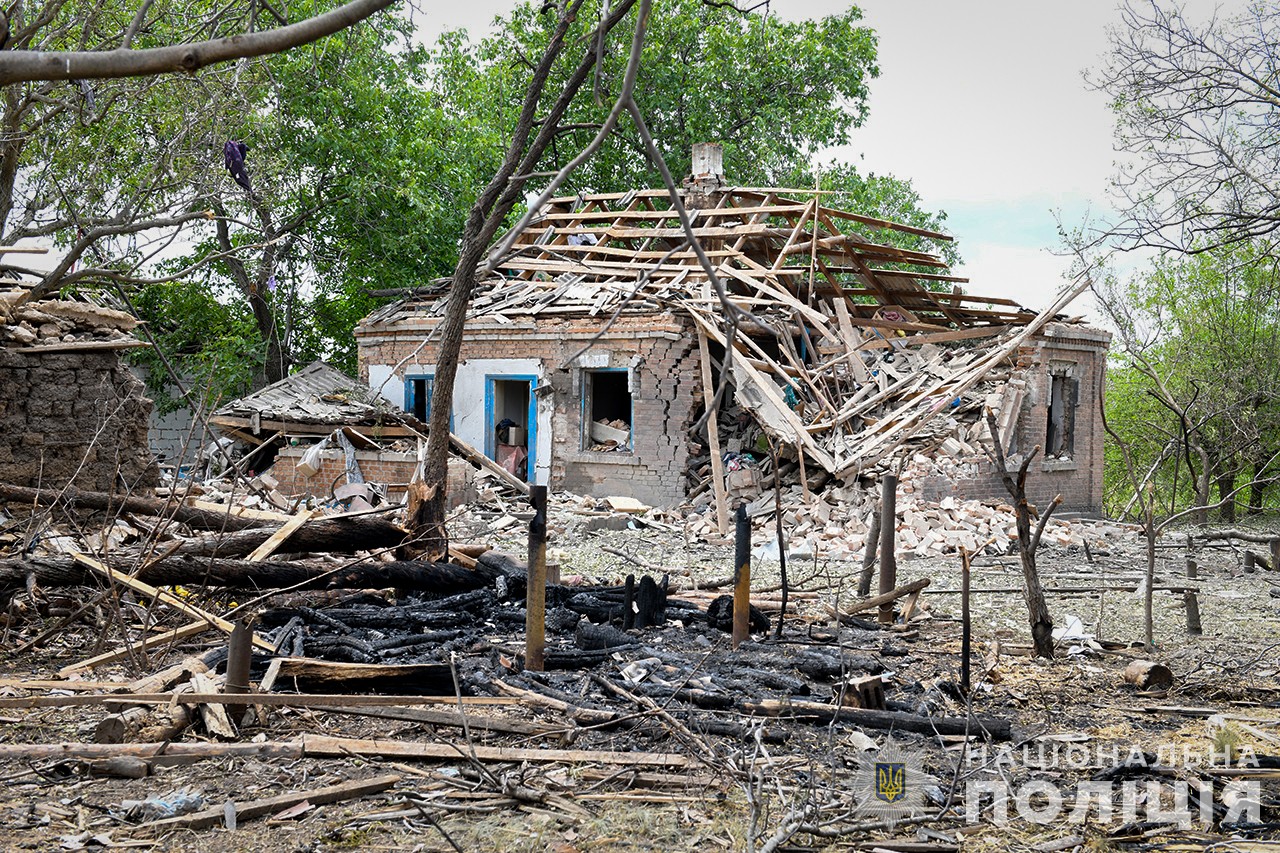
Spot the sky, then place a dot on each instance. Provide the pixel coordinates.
(983, 106)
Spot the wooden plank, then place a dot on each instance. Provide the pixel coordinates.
(937, 337)
(274, 700)
(166, 597)
(713, 435)
(453, 719)
(765, 387)
(216, 815)
(239, 511)
(883, 599)
(852, 341)
(214, 714)
(83, 346)
(176, 635)
(322, 746)
(266, 549)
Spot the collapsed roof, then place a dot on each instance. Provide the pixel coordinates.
(850, 353)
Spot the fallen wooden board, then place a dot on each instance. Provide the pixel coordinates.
(174, 636)
(332, 747)
(884, 598)
(275, 540)
(269, 806)
(453, 719)
(423, 678)
(166, 597)
(295, 700)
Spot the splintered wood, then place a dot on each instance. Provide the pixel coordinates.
(842, 351)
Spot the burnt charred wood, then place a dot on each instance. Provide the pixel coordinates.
(595, 607)
(820, 664)
(688, 695)
(348, 649)
(591, 637)
(629, 603)
(980, 725)
(774, 680)
(62, 570)
(562, 620)
(403, 644)
(575, 659)
(720, 615)
(699, 723)
(72, 498)
(314, 616)
(343, 534)
(651, 603)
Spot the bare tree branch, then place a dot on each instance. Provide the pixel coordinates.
(18, 66)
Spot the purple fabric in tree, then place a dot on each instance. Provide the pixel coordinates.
(233, 153)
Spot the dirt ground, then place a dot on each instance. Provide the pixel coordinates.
(778, 784)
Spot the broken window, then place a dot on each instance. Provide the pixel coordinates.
(606, 405)
(417, 396)
(1060, 433)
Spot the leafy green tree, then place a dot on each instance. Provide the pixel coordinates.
(773, 92)
(1195, 388)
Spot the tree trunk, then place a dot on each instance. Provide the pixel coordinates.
(1226, 482)
(1037, 607)
(486, 216)
(172, 509)
(1258, 489)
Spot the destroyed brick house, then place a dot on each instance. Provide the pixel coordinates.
(591, 349)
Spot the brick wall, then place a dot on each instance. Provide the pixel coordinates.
(390, 469)
(659, 351)
(1082, 351)
(73, 418)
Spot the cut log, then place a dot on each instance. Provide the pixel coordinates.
(122, 727)
(203, 519)
(1148, 675)
(342, 533)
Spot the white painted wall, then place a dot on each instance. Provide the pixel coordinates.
(468, 399)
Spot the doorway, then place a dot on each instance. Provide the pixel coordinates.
(511, 423)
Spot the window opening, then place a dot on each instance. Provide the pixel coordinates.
(607, 406)
(1064, 392)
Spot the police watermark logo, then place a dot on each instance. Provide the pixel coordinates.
(891, 781)
(890, 784)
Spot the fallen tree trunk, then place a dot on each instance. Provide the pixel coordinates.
(344, 534)
(61, 570)
(72, 497)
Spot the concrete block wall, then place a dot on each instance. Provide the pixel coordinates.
(75, 418)
(658, 351)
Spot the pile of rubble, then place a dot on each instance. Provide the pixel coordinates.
(54, 321)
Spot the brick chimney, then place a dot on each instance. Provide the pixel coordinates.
(707, 174)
